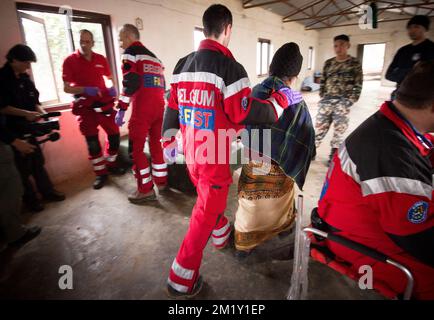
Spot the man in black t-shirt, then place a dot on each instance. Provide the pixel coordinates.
(421, 49)
(19, 100)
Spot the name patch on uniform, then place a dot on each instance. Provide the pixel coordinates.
(202, 119)
(151, 81)
(418, 213)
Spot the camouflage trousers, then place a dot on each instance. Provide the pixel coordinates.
(334, 111)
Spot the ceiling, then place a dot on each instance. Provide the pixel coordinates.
(321, 14)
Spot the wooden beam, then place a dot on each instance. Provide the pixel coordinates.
(340, 9)
(309, 5)
(355, 24)
(338, 13)
(325, 6)
(309, 16)
(325, 16)
(408, 5)
(261, 4)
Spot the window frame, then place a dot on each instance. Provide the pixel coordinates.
(268, 42)
(78, 16)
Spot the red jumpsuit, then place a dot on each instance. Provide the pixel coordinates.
(144, 85)
(379, 192)
(210, 90)
(93, 112)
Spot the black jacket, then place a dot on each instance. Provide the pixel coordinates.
(20, 93)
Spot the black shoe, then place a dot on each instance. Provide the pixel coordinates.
(117, 171)
(100, 182)
(174, 294)
(31, 233)
(54, 196)
(35, 206)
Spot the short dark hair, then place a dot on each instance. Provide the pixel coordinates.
(215, 19)
(342, 37)
(132, 29)
(86, 31)
(417, 89)
(22, 53)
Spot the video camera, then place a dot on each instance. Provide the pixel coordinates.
(47, 128)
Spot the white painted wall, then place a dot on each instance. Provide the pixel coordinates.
(169, 25)
(394, 34)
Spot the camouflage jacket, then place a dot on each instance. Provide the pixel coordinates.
(342, 79)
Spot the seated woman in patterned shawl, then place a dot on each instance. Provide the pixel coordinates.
(279, 156)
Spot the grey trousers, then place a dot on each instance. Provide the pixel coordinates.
(11, 192)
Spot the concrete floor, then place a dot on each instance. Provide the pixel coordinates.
(121, 251)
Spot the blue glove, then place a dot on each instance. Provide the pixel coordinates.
(91, 91)
(112, 92)
(119, 119)
(292, 96)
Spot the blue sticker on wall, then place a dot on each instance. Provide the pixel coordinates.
(418, 213)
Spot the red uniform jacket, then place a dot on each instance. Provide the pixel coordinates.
(379, 192)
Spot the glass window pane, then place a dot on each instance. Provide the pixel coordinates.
(60, 48)
(42, 70)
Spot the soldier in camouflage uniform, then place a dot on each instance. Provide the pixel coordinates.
(341, 85)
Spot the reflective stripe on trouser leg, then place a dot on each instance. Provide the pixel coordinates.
(211, 202)
(111, 160)
(221, 233)
(141, 163)
(98, 164)
(160, 173)
(143, 178)
(112, 148)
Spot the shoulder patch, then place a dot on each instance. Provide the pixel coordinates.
(418, 213)
(245, 103)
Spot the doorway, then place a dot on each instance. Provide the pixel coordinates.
(371, 56)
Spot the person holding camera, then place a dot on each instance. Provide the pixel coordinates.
(12, 230)
(20, 102)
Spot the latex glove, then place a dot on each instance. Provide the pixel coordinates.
(112, 92)
(92, 91)
(292, 96)
(119, 119)
(170, 150)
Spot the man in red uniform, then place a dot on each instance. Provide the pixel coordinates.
(83, 76)
(144, 85)
(379, 189)
(210, 95)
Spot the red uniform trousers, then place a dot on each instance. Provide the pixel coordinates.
(89, 121)
(146, 122)
(212, 182)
